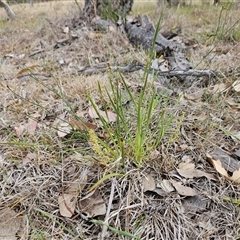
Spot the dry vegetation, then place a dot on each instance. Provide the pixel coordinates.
(47, 178)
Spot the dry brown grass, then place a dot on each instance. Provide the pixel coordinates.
(32, 189)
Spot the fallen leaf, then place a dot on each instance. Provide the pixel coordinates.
(81, 125)
(66, 30)
(236, 176)
(107, 116)
(183, 147)
(228, 162)
(9, 224)
(186, 165)
(217, 164)
(182, 190)
(67, 204)
(92, 205)
(148, 183)
(19, 130)
(194, 173)
(64, 129)
(218, 88)
(232, 103)
(236, 86)
(160, 192)
(31, 127)
(77, 185)
(154, 155)
(29, 157)
(167, 186)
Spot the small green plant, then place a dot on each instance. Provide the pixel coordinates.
(139, 130)
(226, 31)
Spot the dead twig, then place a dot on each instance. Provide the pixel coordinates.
(104, 230)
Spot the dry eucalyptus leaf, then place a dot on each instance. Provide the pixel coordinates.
(186, 165)
(67, 204)
(9, 224)
(29, 157)
(107, 116)
(217, 164)
(154, 154)
(19, 130)
(78, 184)
(64, 129)
(183, 147)
(218, 88)
(148, 183)
(232, 103)
(92, 205)
(228, 162)
(182, 190)
(236, 86)
(75, 186)
(31, 127)
(81, 125)
(167, 186)
(236, 176)
(194, 173)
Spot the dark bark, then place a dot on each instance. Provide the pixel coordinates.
(106, 8)
(141, 31)
(169, 3)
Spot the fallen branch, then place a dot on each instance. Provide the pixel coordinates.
(190, 72)
(101, 68)
(135, 66)
(141, 31)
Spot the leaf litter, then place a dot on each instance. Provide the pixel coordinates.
(192, 203)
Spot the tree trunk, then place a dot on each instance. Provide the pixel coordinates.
(169, 3)
(8, 10)
(107, 8)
